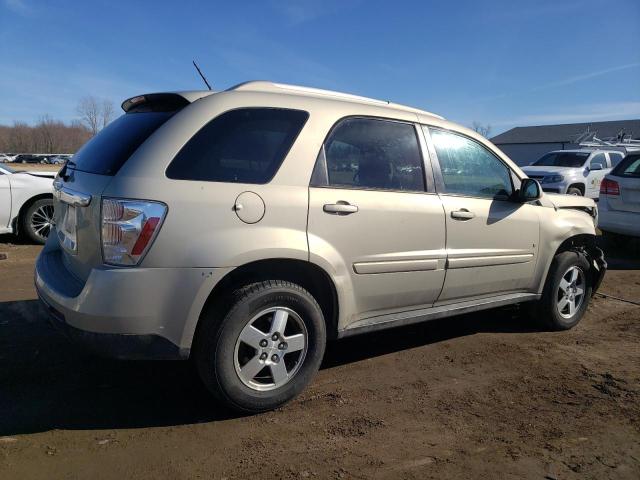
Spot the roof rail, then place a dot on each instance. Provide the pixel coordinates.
(265, 86)
(610, 142)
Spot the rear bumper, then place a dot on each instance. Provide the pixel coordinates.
(624, 223)
(113, 345)
(130, 313)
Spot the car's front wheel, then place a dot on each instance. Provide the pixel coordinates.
(567, 292)
(265, 349)
(38, 220)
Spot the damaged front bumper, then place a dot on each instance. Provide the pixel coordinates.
(595, 256)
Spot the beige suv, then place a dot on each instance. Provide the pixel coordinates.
(245, 228)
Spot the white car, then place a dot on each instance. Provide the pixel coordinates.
(573, 172)
(620, 198)
(26, 204)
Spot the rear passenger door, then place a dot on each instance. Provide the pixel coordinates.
(492, 241)
(374, 221)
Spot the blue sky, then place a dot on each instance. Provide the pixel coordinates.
(505, 63)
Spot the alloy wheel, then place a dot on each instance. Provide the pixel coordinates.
(41, 221)
(271, 348)
(571, 291)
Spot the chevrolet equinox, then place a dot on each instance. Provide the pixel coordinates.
(245, 228)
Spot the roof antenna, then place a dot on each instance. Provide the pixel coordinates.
(201, 75)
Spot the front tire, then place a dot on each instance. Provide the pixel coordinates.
(567, 292)
(37, 220)
(574, 191)
(265, 349)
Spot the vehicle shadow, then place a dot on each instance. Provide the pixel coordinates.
(47, 383)
(623, 255)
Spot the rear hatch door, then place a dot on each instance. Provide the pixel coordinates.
(79, 186)
(627, 176)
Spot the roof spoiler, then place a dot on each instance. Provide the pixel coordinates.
(155, 102)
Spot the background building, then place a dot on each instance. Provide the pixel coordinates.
(524, 145)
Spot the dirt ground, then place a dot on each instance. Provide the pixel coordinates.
(35, 167)
(478, 396)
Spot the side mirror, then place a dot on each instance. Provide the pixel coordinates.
(529, 190)
(596, 166)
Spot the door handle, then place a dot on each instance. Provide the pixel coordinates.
(462, 214)
(340, 208)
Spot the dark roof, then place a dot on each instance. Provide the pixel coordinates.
(568, 132)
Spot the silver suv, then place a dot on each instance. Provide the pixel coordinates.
(245, 228)
(574, 172)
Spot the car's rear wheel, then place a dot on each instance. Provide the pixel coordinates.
(567, 292)
(265, 349)
(38, 220)
(574, 191)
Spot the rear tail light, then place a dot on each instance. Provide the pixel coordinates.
(609, 187)
(129, 228)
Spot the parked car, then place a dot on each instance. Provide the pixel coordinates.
(620, 198)
(244, 228)
(28, 158)
(26, 203)
(573, 172)
(7, 157)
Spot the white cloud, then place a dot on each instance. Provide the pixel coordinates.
(17, 6)
(301, 11)
(581, 113)
(586, 76)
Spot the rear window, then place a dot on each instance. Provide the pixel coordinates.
(105, 153)
(629, 167)
(246, 145)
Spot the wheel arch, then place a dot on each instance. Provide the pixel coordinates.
(586, 244)
(16, 222)
(304, 273)
(579, 185)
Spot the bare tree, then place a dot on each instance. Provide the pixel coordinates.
(484, 130)
(90, 111)
(107, 112)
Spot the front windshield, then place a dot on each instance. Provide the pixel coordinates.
(563, 159)
(8, 169)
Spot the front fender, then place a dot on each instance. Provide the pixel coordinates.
(558, 226)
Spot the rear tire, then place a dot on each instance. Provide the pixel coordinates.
(265, 349)
(566, 293)
(37, 220)
(574, 191)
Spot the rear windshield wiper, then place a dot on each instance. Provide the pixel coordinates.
(63, 171)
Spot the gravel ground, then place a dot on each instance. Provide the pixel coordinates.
(477, 396)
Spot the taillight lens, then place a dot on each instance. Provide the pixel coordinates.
(609, 187)
(129, 228)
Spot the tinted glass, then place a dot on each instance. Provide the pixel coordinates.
(372, 153)
(470, 169)
(615, 158)
(563, 159)
(241, 146)
(629, 167)
(105, 153)
(598, 158)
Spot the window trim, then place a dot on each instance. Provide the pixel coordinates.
(275, 173)
(439, 179)
(427, 174)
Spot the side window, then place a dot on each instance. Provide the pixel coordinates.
(598, 158)
(240, 146)
(470, 169)
(371, 153)
(615, 158)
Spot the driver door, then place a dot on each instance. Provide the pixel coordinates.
(595, 175)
